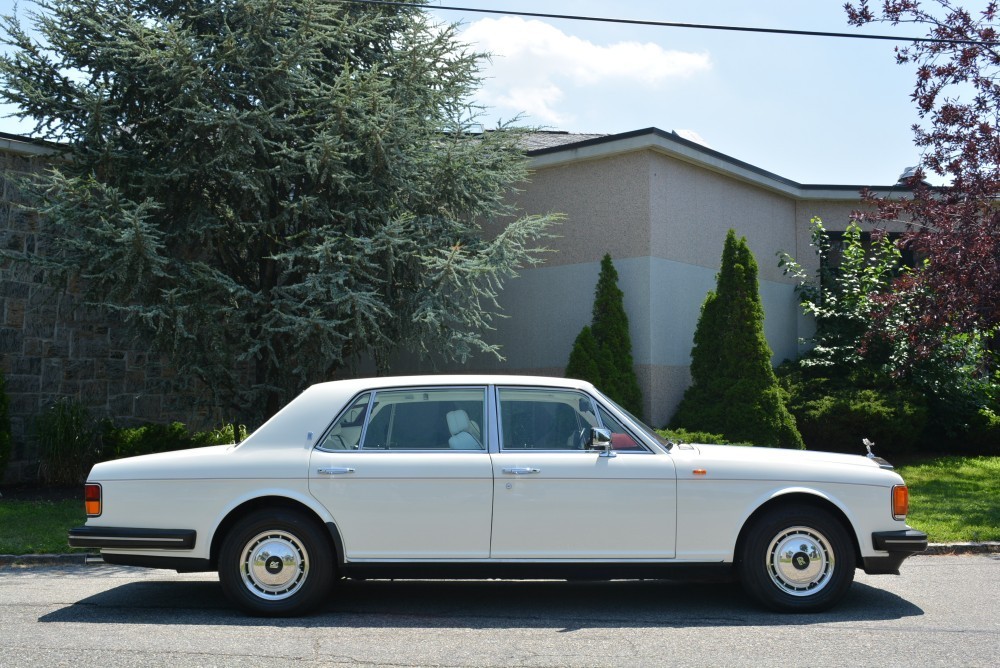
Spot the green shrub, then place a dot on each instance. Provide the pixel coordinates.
(143, 440)
(840, 298)
(983, 432)
(861, 346)
(734, 390)
(685, 436)
(835, 417)
(611, 329)
(69, 442)
(224, 435)
(602, 352)
(5, 437)
(152, 438)
(585, 358)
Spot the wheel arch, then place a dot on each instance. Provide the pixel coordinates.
(797, 498)
(271, 502)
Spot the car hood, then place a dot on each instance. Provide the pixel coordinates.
(762, 454)
(742, 462)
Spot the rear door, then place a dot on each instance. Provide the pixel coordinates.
(400, 484)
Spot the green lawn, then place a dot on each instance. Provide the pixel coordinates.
(38, 527)
(953, 499)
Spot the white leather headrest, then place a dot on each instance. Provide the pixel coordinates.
(458, 421)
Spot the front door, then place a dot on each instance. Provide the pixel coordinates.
(553, 499)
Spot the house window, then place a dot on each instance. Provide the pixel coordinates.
(837, 240)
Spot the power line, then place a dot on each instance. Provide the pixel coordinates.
(674, 24)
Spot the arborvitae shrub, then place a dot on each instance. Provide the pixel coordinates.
(583, 361)
(602, 353)
(734, 391)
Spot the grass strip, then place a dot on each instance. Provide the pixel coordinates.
(955, 499)
(38, 527)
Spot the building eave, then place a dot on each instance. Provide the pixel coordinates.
(678, 148)
(25, 146)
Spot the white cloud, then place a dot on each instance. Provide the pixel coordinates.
(534, 64)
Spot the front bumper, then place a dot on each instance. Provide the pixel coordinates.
(899, 545)
(126, 537)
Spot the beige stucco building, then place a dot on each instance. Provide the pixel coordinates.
(661, 206)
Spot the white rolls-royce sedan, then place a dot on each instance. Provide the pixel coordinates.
(498, 477)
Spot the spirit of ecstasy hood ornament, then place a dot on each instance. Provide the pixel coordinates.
(872, 456)
(868, 446)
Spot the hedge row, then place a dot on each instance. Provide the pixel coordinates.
(71, 441)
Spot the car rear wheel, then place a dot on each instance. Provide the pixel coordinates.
(797, 560)
(276, 563)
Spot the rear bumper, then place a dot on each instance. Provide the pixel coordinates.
(128, 538)
(899, 545)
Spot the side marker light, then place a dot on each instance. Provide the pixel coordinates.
(900, 502)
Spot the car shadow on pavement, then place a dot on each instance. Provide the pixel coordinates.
(568, 606)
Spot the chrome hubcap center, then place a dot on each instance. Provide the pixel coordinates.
(275, 565)
(800, 561)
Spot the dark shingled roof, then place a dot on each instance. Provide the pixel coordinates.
(536, 141)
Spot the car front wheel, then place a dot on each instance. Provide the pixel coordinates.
(797, 560)
(276, 563)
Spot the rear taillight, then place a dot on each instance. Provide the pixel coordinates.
(900, 502)
(92, 499)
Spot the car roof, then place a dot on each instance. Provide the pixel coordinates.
(311, 412)
(443, 380)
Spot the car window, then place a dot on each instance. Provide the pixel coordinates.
(543, 419)
(346, 431)
(621, 439)
(426, 419)
(645, 428)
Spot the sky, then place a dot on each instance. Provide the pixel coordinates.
(811, 109)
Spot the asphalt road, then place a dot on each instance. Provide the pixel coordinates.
(943, 611)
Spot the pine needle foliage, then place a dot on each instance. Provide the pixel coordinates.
(734, 391)
(602, 352)
(583, 359)
(270, 190)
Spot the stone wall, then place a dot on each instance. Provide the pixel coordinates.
(53, 347)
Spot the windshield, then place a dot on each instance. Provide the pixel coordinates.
(646, 429)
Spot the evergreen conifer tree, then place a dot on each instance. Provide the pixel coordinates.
(269, 190)
(734, 391)
(583, 360)
(602, 353)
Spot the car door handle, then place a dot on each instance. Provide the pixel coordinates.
(521, 471)
(335, 470)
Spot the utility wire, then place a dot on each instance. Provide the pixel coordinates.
(672, 24)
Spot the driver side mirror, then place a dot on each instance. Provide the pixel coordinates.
(600, 439)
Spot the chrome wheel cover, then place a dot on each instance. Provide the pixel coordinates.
(274, 565)
(800, 561)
